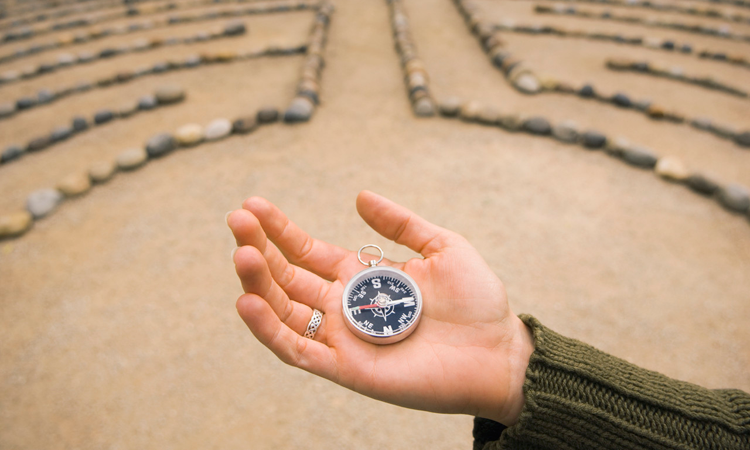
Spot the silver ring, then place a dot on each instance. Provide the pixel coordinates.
(314, 323)
(371, 263)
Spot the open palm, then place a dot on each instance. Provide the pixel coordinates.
(468, 354)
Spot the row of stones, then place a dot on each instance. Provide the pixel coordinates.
(653, 43)
(43, 202)
(526, 81)
(47, 96)
(68, 60)
(673, 73)
(307, 95)
(98, 33)
(31, 12)
(734, 197)
(671, 7)
(29, 32)
(165, 95)
(722, 31)
(416, 78)
(36, 13)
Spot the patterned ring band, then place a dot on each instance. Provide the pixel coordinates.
(314, 323)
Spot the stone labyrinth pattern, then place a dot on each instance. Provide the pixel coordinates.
(52, 30)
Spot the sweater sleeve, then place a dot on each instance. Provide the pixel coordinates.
(578, 397)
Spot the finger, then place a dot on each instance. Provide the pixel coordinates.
(256, 279)
(402, 226)
(288, 346)
(246, 229)
(319, 257)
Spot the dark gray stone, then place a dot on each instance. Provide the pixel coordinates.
(10, 153)
(160, 145)
(587, 91)
(80, 124)
(244, 125)
(639, 157)
(147, 102)
(593, 139)
(37, 144)
(45, 96)
(622, 100)
(234, 28)
(300, 110)
(734, 197)
(537, 125)
(103, 116)
(61, 133)
(25, 102)
(743, 139)
(702, 184)
(268, 115)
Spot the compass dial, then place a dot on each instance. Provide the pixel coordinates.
(382, 305)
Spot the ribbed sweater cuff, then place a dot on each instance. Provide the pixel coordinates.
(578, 397)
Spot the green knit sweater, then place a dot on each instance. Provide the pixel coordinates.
(578, 397)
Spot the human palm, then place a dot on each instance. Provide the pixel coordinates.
(468, 354)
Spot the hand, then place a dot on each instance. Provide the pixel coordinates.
(468, 354)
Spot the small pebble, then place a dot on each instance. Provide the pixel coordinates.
(38, 144)
(424, 107)
(190, 134)
(587, 91)
(268, 115)
(734, 197)
(127, 109)
(61, 133)
(217, 129)
(45, 96)
(511, 122)
(103, 116)
(527, 83)
(74, 184)
(470, 111)
(80, 124)
(725, 131)
(234, 28)
(565, 131)
(450, 106)
(42, 202)
(743, 139)
(488, 115)
(299, 110)
(131, 159)
(147, 102)
(25, 102)
(15, 224)
(672, 169)
(244, 124)
(640, 157)
(593, 139)
(160, 145)
(702, 183)
(169, 94)
(10, 153)
(537, 125)
(701, 123)
(7, 109)
(622, 100)
(102, 171)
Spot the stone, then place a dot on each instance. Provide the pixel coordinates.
(622, 100)
(234, 28)
(74, 184)
(642, 105)
(102, 171)
(734, 197)
(15, 224)
(166, 95)
(299, 110)
(7, 109)
(702, 183)
(593, 139)
(725, 131)
(25, 102)
(217, 129)
(449, 107)
(488, 115)
(190, 134)
(39, 143)
(672, 169)
(79, 124)
(61, 133)
(640, 157)
(127, 109)
(10, 153)
(424, 107)
(160, 145)
(527, 83)
(103, 116)
(244, 125)
(537, 125)
(470, 111)
(268, 115)
(656, 112)
(743, 139)
(131, 159)
(45, 96)
(511, 122)
(565, 131)
(42, 202)
(147, 102)
(701, 123)
(587, 91)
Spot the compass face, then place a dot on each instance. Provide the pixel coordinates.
(382, 305)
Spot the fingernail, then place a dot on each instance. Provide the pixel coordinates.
(234, 250)
(226, 217)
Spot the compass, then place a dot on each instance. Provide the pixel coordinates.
(382, 305)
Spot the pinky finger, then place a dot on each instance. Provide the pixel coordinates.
(293, 349)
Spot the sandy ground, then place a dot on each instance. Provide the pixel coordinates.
(118, 320)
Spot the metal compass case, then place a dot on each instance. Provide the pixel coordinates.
(382, 305)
